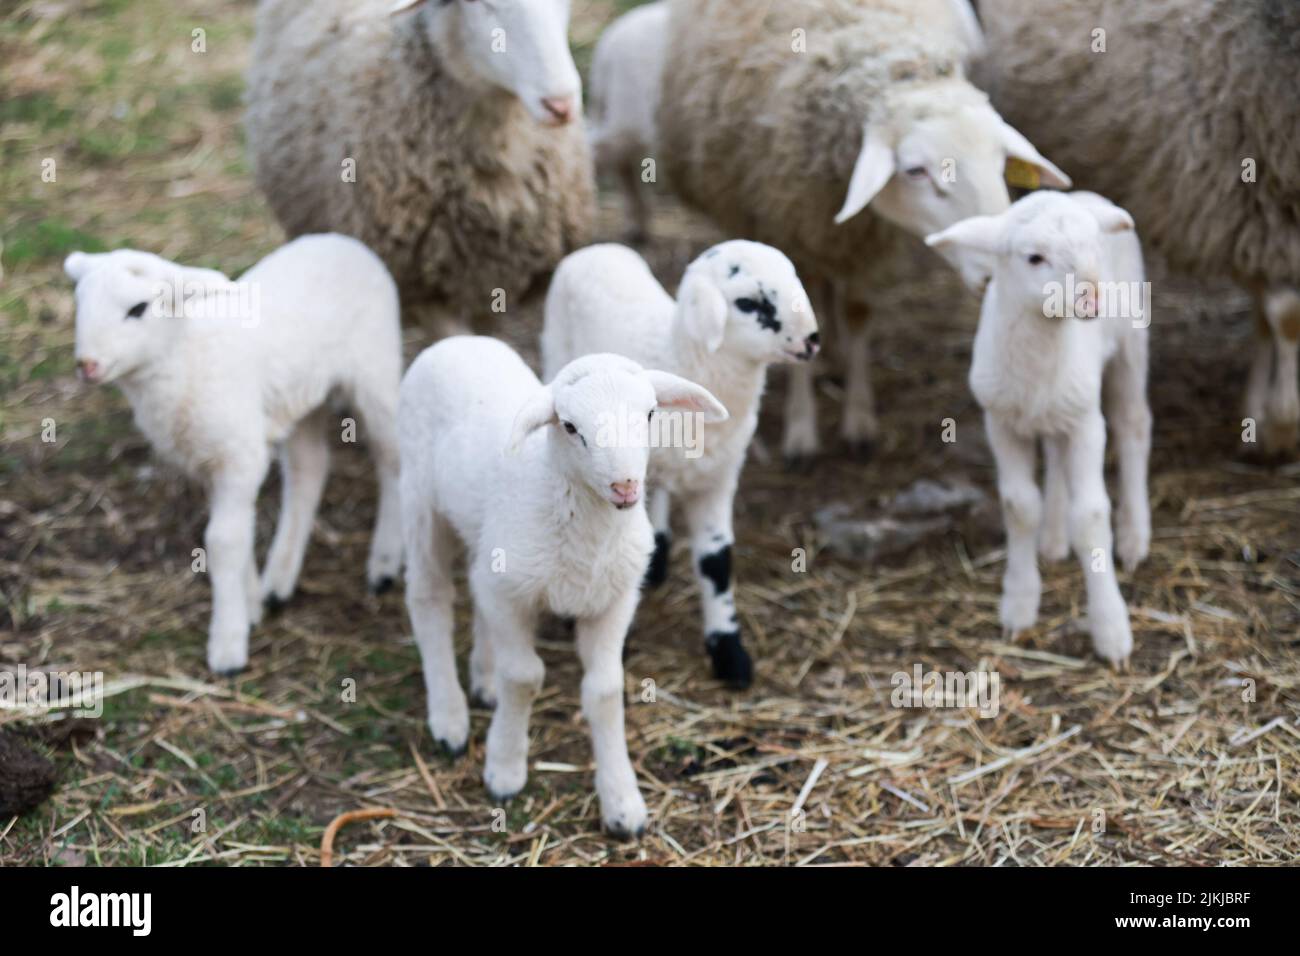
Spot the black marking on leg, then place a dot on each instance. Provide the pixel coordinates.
(731, 662)
(657, 573)
(717, 568)
(383, 585)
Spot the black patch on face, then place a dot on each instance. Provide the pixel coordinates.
(764, 308)
(735, 271)
(717, 568)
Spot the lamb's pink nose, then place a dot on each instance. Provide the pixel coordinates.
(561, 108)
(87, 370)
(626, 492)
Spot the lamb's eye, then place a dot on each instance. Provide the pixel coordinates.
(650, 415)
(137, 311)
(747, 305)
(917, 172)
(1036, 260)
(569, 427)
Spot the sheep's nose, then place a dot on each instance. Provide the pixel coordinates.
(561, 108)
(626, 492)
(87, 370)
(812, 343)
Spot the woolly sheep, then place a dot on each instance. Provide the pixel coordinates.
(740, 307)
(626, 78)
(1065, 305)
(539, 485)
(790, 148)
(448, 138)
(217, 371)
(1188, 118)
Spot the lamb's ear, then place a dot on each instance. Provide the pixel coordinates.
(1112, 219)
(536, 413)
(981, 233)
(702, 308)
(401, 6)
(673, 391)
(1020, 148)
(875, 166)
(77, 265)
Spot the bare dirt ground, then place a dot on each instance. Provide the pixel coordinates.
(1191, 757)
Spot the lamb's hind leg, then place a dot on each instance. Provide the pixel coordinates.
(1282, 412)
(304, 464)
(1054, 534)
(860, 428)
(377, 406)
(1129, 417)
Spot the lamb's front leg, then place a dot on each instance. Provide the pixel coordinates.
(229, 543)
(657, 573)
(1054, 532)
(600, 647)
(519, 673)
(1021, 511)
(1108, 620)
(708, 516)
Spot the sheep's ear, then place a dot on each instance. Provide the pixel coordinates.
(1113, 219)
(981, 233)
(536, 413)
(1020, 148)
(401, 6)
(703, 308)
(875, 166)
(968, 25)
(77, 265)
(673, 391)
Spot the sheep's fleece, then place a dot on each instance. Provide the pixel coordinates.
(765, 139)
(1161, 122)
(457, 201)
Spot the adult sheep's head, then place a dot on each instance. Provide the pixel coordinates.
(520, 46)
(937, 157)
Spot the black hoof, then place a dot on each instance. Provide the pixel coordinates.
(731, 662)
(799, 464)
(501, 798)
(450, 752)
(231, 672)
(383, 585)
(476, 699)
(657, 573)
(863, 450)
(619, 832)
(274, 604)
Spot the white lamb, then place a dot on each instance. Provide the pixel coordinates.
(740, 308)
(543, 485)
(1066, 304)
(217, 371)
(626, 81)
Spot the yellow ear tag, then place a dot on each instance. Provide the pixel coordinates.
(1022, 174)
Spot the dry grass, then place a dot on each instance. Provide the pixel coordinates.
(95, 575)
